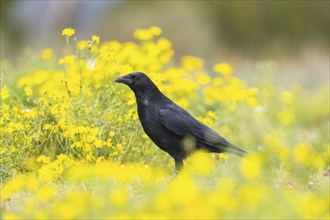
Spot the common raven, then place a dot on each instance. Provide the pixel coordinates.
(169, 126)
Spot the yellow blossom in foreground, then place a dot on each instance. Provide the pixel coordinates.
(310, 206)
(201, 163)
(46, 193)
(4, 93)
(302, 154)
(10, 215)
(251, 166)
(28, 91)
(68, 32)
(119, 198)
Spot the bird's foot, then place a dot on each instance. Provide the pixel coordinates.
(174, 174)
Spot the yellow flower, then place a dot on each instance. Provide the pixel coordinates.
(206, 120)
(4, 93)
(28, 91)
(286, 117)
(191, 63)
(212, 114)
(287, 97)
(147, 34)
(46, 193)
(203, 79)
(70, 59)
(12, 127)
(112, 134)
(252, 102)
(13, 186)
(100, 160)
(217, 82)
(68, 32)
(10, 215)
(183, 102)
(223, 68)
(46, 54)
(120, 147)
(155, 30)
(318, 161)
(82, 45)
(163, 44)
(302, 154)
(96, 39)
(44, 159)
(223, 156)
(131, 101)
(201, 163)
(143, 34)
(119, 198)
(310, 206)
(251, 166)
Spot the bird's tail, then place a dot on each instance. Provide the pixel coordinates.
(236, 150)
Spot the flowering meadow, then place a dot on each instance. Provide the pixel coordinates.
(72, 145)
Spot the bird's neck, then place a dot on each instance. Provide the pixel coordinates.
(148, 94)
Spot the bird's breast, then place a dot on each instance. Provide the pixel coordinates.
(151, 126)
(147, 117)
(145, 102)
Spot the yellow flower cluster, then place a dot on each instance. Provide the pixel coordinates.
(71, 145)
(136, 191)
(147, 34)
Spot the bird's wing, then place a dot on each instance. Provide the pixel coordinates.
(180, 122)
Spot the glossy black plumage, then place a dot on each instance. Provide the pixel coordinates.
(171, 127)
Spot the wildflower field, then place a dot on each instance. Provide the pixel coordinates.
(72, 145)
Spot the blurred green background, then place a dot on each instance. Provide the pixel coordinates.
(292, 34)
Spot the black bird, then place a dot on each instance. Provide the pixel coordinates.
(171, 127)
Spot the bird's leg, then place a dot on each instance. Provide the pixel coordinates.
(177, 168)
(176, 171)
(178, 165)
(174, 174)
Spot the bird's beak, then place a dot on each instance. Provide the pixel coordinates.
(124, 79)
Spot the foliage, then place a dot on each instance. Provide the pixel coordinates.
(72, 146)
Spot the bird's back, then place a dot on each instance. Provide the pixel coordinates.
(176, 125)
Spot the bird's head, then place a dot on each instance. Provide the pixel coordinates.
(136, 81)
